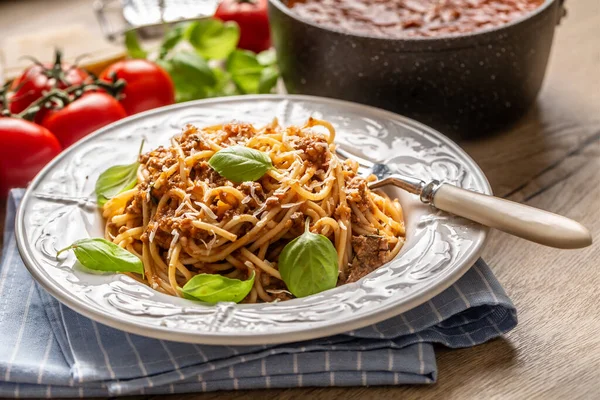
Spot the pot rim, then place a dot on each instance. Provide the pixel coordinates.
(447, 39)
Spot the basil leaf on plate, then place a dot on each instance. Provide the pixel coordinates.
(101, 255)
(213, 39)
(309, 264)
(116, 180)
(240, 163)
(134, 49)
(212, 288)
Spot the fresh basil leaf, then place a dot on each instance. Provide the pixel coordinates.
(191, 76)
(309, 264)
(268, 79)
(267, 57)
(101, 255)
(184, 91)
(245, 70)
(191, 67)
(212, 38)
(213, 288)
(116, 180)
(172, 39)
(224, 85)
(133, 45)
(240, 163)
(164, 64)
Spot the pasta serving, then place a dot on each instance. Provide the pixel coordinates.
(183, 218)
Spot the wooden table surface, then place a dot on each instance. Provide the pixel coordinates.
(551, 159)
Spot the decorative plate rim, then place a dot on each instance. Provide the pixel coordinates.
(308, 331)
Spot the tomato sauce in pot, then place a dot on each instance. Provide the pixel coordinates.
(412, 18)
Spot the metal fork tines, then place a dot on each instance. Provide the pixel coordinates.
(516, 219)
(385, 176)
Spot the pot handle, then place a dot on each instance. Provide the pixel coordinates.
(562, 11)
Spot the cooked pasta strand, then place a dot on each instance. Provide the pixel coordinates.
(183, 218)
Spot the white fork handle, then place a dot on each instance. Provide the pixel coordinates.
(527, 222)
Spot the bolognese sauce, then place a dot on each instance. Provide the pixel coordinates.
(412, 18)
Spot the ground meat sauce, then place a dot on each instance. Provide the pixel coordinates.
(412, 18)
(370, 253)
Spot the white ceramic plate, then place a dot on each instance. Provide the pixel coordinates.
(59, 208)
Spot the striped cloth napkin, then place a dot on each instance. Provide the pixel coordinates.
(47, 350)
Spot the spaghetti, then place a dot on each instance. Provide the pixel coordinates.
(182, 218)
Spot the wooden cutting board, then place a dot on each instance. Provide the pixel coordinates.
(66, 24)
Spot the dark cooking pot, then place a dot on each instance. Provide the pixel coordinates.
(462, 85)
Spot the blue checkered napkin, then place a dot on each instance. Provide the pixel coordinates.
(47, 350)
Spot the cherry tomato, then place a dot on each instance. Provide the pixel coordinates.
(40, 78)
(251, 16)
(25, 148)
(83, 116)
(147, 85)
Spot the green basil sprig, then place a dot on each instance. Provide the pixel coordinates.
(212, 288)
(240, 163)
(213, 39)
(309, 264)
(133, 45)
(171, 39)
(101, 255)
(202, 60)
(116, 179)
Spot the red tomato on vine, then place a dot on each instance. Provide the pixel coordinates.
(147, 85)
(40, 78)
(25, 148)
(252, 17)
(90, 112)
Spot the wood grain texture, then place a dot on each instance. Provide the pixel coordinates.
(36, 27)
(550, 159)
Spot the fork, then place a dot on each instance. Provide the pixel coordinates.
(517, 219)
